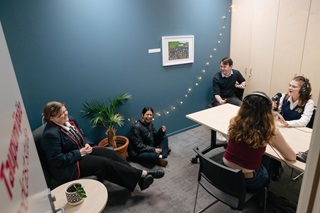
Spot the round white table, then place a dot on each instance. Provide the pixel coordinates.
(96, 200)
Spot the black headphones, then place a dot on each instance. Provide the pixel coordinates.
(305, 88)
(261, 95)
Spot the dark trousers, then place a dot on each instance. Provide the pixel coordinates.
(153, 157)
(109, 165)
(232, 100)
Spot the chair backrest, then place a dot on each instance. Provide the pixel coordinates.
(310, 124)
(51, 182)
(37, 136)
(225, 184)
(239, 93)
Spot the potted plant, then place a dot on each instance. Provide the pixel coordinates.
(75, 193)
(103, 113)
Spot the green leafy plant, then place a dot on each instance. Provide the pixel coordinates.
(103, 113)
(80, 190)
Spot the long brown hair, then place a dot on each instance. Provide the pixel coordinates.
(254, 123)
(51, 109)
(305, 90)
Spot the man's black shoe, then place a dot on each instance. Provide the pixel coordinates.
(145, 182)
(159, 173)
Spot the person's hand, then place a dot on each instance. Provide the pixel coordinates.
(164, 129)
(158, 150)
(281, 119)
(223, 101)
(86, 150)
(240, 86)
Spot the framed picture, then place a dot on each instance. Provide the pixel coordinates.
(177, 50)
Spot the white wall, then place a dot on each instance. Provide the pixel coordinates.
(22, 184)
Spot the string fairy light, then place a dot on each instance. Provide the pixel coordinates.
(202, 71)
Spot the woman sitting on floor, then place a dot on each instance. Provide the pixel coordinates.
(147, 145)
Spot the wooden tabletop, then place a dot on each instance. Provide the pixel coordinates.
(96, 200)
(218, 118)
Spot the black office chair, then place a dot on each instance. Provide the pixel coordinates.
(225, 184)
(51, 182)
(302, 156)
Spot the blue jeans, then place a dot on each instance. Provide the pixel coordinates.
(262, 176)
(153, 157)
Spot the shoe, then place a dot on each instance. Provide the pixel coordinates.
(220, 137)
(145, 182)
(159, 173)
(169, 150)
(162, 162)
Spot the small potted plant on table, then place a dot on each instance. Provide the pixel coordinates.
(103, 113)
(75, 194)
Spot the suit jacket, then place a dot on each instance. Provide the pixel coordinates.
(62, 151)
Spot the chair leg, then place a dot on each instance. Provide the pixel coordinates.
(205, 208)
(265, 199)
(195, 202)
(296, 177)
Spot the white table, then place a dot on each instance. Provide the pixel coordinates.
(96, 200)
(218, 118)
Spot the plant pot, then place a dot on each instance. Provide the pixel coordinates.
(122, 145)
(73, 197)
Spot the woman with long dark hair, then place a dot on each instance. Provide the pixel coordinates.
(250, 131)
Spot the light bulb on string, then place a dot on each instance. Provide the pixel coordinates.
(223, 27)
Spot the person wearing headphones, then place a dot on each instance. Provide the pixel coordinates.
(250, 131)
(295, 110)
(296, 105)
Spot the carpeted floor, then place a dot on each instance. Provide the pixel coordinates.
(176, 191)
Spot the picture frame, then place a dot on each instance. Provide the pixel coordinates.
(177, 50)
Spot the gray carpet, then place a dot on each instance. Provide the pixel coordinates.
(176, 191)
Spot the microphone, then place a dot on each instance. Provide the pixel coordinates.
(276, 98)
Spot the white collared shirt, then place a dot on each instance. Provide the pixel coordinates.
(224, 76)
(306, 115)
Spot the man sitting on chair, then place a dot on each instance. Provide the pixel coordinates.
(225, 83)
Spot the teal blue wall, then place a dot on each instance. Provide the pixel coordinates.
(71, 50)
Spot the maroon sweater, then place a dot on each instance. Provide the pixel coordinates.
(244, 155)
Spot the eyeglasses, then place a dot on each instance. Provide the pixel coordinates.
(64, 112)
